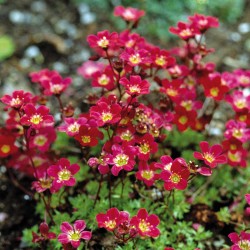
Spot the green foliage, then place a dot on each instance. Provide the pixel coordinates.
(61, 141)
(224, 214)
(27, 236)
(182, 140)
(179, 235)
(7, 46)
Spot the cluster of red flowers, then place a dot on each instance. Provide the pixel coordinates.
(125, 228)
(134, 130)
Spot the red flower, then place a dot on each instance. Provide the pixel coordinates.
(56, 85)
(62, 173)
(44, 182)
(104, 113)
(43, 138)
(135, 85)
(7, 145)
(112, 219)
(103, 39)
(166, 163)
(135, 57)
(214, 88)
(44, 234)
(71, 125)
(162, 58)
(184, 30)
(146, 146)
(147, 173)
(88, 136)
(122, 158)
(74, 234)
(203, 23)
(241, 242)
(212, 156)
(18, 99)
(36, 117)
(237, 130)
(183, 118)
(146, 224)
(128, 14)
(104, 79)
(89, 68)
(177, 176)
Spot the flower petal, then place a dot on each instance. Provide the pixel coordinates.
(79, 225)
(65, 227)
(86, 235)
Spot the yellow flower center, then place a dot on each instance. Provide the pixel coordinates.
(186, 32)
(187, 105)
(240, 104)
(134, 89)
(234, 157)
(37, 161)
(160, 60)
(209, 157)
(56, 88)
(86, 139)
(15, 101)
(147, 174)
(237, 133)
(45, 183)
(244, 80)
(107, 117)
(127, 136)
(214, 91)
(36, 119)
(64, 175)
(144, 226)
(110, 224)
(171, 92)
(74, 235)
(121, 160)
(243, 118)
(175, 178)
(183, 119)
(244, 244)
(5, 149)
(135, 59)
(40, 140)
(74, 127)
(104, 42)
(144, 148)
(103, 80)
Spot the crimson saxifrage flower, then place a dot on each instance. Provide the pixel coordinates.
(44, 234)
(128, 14)
(63, 174)
(135, 85)
(36, 117)
(175, 174)
(212, 156)
(7, 145)
(241, 242)
(17, 99)
(74, 234)
(146, 224)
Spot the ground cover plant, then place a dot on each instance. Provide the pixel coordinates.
(144, 163)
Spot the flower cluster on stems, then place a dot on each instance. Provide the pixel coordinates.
(142, 92)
